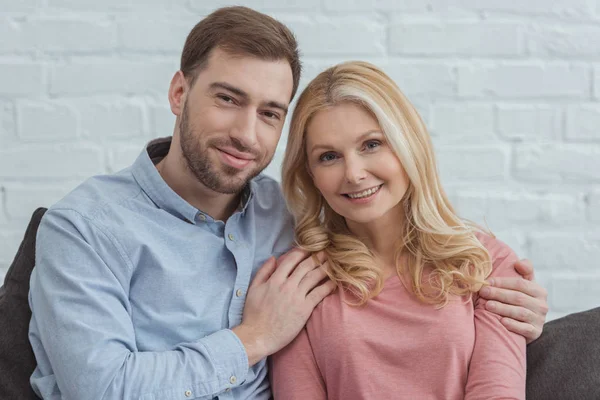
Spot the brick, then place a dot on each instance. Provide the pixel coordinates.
(260, 5)
(12, 36)
(594, 206)
(11, 85)
(462, 123)
(557, 163)
(46, 121)
(376, 5)
(21, 6)
(597, 81)
(73, 161)
(502, 210)
(7, 123)
(22, 201)
(122, 77)
(574, 293)
(154, 35)
(9, 244)
(455, 38)
(334, 36)
(550, 251)
(570, 8)
(162, 121)
(458, 164)
(529, 123)
(120, 119)
(520, 80)
(416, 79)
(69, 35)
(117, 5)
(123, 156)
(583, 123)
(563, 41)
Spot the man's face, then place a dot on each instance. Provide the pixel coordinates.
(232, 119)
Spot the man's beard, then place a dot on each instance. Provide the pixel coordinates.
(195, 153)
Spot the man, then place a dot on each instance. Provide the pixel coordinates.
(158, 282)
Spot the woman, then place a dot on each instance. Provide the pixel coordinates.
(360, 177)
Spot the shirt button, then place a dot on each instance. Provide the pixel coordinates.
(188, 393)
(239, 293)
(230, 236)
(228, 390)
(233, 380)
(202, 217)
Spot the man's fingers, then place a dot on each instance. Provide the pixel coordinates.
(530, 332)
(303, 269)
(520, 314)
(288, 262)
(313, 278)
(265, 271)
(513, 297)
(525, 268)
(530, 288)
(320, 292)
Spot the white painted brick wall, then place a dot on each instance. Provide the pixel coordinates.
(509, 89)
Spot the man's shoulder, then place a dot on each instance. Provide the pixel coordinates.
(99, 195)
(267, 192)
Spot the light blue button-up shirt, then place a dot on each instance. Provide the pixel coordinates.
(134, 290)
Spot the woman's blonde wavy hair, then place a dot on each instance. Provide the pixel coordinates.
(434, 239)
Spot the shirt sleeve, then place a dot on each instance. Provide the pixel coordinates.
(294, 372)
(498, 365)
(82, 330)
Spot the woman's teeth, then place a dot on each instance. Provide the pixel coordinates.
(364, 193)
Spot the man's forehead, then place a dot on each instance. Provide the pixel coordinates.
(261, 80)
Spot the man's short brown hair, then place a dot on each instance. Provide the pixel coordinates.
(240, 31)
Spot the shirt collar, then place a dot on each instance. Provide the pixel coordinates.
(147, 176)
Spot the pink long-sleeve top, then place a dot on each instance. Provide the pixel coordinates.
(396, 347)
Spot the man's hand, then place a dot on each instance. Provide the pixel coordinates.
(280, 300)
(522, 302)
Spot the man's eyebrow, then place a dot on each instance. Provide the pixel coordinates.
(246, 97)
(232, 89)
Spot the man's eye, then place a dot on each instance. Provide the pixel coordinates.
(271, 115)
(226, 99)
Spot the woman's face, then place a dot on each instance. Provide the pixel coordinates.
(353, 166)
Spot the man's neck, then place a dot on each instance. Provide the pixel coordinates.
(219, 206)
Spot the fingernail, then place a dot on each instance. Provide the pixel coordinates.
(491, 281)
(485, 291)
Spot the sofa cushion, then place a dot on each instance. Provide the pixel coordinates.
(17, 361)
(564, 363)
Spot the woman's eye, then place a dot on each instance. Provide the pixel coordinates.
(327, 157)
(372, 144)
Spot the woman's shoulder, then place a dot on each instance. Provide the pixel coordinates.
(501, 255)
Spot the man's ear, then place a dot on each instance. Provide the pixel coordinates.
(178, 90)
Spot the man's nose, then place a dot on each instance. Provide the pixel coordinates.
(244, 130)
